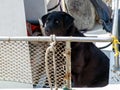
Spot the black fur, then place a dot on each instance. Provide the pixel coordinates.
(90, 66)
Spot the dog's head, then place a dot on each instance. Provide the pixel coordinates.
(57, 23)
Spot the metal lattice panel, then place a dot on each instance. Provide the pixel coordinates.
(37, 53)
(37, 62)
(15, 62)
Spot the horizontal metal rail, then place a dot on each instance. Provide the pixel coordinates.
(48, 38)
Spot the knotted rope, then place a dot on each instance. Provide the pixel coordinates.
(51, 48)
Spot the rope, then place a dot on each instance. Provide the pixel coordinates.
(115, 48)
(56, 6)
(51, 49)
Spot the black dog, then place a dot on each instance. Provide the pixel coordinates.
(90, 66)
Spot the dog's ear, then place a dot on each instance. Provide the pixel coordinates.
(68, 19)
(44, 18)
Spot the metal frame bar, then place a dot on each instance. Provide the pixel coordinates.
(48, 38)
(115, 29)
(68, 64)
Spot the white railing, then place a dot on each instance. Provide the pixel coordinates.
(48, 38)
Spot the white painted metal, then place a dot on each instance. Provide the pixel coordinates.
(68, 65)
(9, 84)
(13, 23)
(48, 38)
(12, 18)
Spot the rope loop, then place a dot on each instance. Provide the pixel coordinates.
(51, 48)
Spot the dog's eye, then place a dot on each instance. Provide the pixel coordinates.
(47, 21)
(56, 21)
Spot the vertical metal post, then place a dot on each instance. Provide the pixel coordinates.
(68, 64)
(115, 29)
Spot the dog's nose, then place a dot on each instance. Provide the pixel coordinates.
(47, 31)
